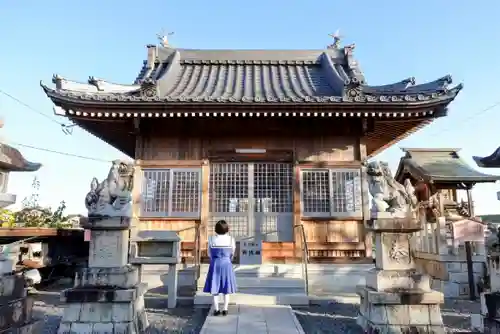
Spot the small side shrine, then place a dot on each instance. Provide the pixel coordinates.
(11, 160)
(439, 177)
(16, 297)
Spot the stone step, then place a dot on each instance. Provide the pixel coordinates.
(295, 270)
(298, 299)
(278, 283)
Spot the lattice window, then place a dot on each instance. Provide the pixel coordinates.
(174, 192)
(331, 193)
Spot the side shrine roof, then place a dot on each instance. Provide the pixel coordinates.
(12, 160)
(439, 165)
(277, 77)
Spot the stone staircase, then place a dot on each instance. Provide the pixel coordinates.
(266, 284)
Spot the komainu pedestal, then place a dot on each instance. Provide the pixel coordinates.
(108, 296)
(397, 298)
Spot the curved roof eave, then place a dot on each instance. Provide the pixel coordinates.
(417, 100)
(11, 159)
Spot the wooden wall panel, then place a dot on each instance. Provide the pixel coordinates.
(333, 231)
(314, 149)
(329, 239)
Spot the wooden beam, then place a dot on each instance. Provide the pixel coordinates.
(169, 163)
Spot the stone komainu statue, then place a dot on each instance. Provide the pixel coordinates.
(388, 194)
(113, 196)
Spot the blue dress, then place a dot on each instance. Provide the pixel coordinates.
(220, 276)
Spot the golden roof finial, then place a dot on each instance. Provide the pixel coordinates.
(336, 40)
(163, 38)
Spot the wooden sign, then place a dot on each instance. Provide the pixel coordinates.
(467, 230)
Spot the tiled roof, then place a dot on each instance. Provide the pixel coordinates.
(440, 165)
(182, 76)
(491, 161)
(12, 160)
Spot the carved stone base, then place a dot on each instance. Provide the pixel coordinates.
(122, 277)
(16, 307)
(397, 280)
(400, 312)
(101, 310)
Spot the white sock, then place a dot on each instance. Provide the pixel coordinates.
(216, 303)
(226, 302)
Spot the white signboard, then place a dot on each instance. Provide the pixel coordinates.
(250, 252)
(467, 230)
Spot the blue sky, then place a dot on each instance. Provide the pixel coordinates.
(394, 40)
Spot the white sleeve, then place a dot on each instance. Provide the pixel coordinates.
(209, 253)
(233, 244)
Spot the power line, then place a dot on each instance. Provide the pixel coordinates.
(30, 107)
(59, 152)
(65, 128)
(482, 111)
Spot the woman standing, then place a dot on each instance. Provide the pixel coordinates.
(220, 276)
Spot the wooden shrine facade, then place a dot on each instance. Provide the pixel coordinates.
(267, 140)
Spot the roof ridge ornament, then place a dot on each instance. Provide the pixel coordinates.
(163, 38)
(336, 40)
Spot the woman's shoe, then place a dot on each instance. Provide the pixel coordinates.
(216, 313)
(224, 313)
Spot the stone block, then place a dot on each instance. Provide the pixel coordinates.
(123, 277)
(460, 277)
(438, 285)
(71, 313)
(64, 328)
(398, 314)
(454, 267)
(102, 295)
(103, 328)
(435, 269)
(12, 287)
(124, 328)
(401, 298)
(435, 317)
(385, 222)
(108, 223)
(451, 289)
(96, 312)
(393, 251)
(477, 324)
(16, 313)
(81, 328)
(419, 315)
(7, 266)
(389, 280)
(123, 312)
(108, 248)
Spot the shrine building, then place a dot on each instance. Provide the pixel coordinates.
(272, 141)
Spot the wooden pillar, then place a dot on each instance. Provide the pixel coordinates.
(205, 203)
(137, 181)
(365, 196)
(297, 236)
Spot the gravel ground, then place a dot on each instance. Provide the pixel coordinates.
(180, 320)
(341, 318)
(319, 319)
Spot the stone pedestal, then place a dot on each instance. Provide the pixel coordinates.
(108, 296)
(158, 247)
(15, 304)
(397, 298)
